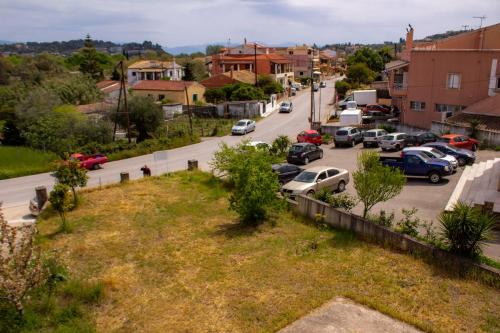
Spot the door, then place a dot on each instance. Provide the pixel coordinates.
(322, 181)
(333, 179)
(414, 165)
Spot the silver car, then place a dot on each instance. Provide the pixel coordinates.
(393, 141)
(348, 136)
(312, 180)
(373, 137)
(243, 126)
(286, 107)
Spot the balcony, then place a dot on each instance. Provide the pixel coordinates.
(399, 89)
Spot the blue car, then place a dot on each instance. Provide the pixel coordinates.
(463, 156)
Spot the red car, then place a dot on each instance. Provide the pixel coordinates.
(310, 136)
(377, 107)
(90, 162)
(460, 141)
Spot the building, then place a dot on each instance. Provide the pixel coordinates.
(231, 77)
(109, 88)
(173, 91)
(275, 65)
(154, 70)
(435, 80)
(304, 59)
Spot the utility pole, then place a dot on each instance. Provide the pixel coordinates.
(255, 62)
(319, 106)
(123, 92)
(312, 92)
(189, 111)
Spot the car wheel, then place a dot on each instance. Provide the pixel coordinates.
(474, 147)
(320, 155)
(434, 177)
(95, 166)
(281, 183)
(461, 161)
(398, 147)
(341, 186)
(310, 193)
(306, 160)
(352, 143)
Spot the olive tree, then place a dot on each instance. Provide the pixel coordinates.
(375, 182)
(21, 267)
(70, 173)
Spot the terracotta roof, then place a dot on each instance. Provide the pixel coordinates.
(98, 107)
(238, 58)
(489, 106)
(162, 85)
(489, 123)
(220, 80)
(105, 83)
(395, 64)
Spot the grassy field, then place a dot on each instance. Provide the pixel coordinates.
(21, 161)
(172, 257)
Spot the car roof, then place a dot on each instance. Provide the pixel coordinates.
(451, 136)
(321, 168)
(303, 144)
(310, 131)
(346, 128)
(418, 148)
(377, 130)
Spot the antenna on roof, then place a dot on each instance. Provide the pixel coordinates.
(465, 27)
(481, 18)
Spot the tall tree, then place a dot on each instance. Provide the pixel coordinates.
(213, 49)
(188, 71)
(90, 64)
(145, 115)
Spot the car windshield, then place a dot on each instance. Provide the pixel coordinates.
(437, 153)
(341, 132)
(388, 137)
(424, 157)
(284, 104)
(296, 149)
(241, 123)
(306, 177)
(370, 134)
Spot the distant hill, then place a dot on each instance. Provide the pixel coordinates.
(5, 42)
(68, 47)
(188, 49)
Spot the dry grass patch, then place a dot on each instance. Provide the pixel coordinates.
(173, 258)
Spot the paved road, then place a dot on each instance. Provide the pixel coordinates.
(16, 192)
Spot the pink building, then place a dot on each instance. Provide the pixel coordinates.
(435, 80)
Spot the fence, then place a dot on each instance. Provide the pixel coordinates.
(368, 230)
(243, 109)
(493, 138)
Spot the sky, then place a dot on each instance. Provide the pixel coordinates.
(189, 22)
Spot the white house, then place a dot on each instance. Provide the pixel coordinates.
(154, 70)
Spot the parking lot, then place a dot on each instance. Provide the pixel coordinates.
(429, 199)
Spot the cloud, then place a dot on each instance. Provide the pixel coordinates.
(174, 22)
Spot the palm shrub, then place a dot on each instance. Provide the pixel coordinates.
(465, 228)
(280, 145)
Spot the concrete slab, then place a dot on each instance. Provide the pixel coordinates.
(342, 316)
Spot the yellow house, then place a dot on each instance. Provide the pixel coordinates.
(175, 91)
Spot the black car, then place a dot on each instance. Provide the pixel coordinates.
(304, 153)
(463, 156)
(286, 172)
(418, 139)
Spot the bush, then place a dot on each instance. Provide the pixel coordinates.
(255, 184)
(342, 87)
(280, 145)
(360, 73)
(324, 195)
(409, 224)
(383, 219)
(344, 201)
(465, 229)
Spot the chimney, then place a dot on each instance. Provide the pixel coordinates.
(409, 39)
(245, 41)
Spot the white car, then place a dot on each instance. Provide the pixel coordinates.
(259, 144)
(243, 126)
(393, 141)
(434, 153)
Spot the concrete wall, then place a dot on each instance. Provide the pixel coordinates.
(240, 110)
(381, 235)
(176, 96)
(491, 137)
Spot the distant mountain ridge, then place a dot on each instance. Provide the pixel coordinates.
(6, 42)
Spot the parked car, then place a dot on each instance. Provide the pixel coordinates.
(286, 172)
(417, 164)
(433, 153)
(393, 141)
(460, 141)
(417, 139)
(463, 156)
(243, 126)
(293, 91)
(286, 106)
(378, 107)
(310, 136)
(304, 153)
(349, 136)
(373, 137)
(259, 145)
(316, 178)
(322, 84)
(90, 162)
(371, 116)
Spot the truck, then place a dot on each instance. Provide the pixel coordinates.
(416, 164)
(90, 162)
(361, 97)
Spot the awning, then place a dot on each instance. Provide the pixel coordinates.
(396, 64)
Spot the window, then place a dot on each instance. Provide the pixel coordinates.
(417, 106)
(322, 175)
(301, 73)
(161, 97)
(332, 172)
(447, 108)
(195, 97)
(134, 74)
(453, 81)
(498, 83)
(290, 52)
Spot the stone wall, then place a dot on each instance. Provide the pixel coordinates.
(370, 231)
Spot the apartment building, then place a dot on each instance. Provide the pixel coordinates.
(437, 79)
